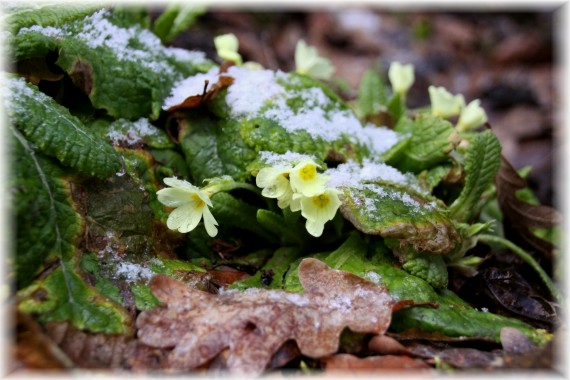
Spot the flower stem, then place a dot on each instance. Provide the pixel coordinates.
(527, 258)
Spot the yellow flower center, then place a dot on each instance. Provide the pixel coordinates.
(199, 203)
(308, 172)
(321, 200)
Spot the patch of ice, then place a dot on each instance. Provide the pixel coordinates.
(374, 277)
(251, 90)
(285, 159)
(133, 272)
(354, 175)
(136, 132)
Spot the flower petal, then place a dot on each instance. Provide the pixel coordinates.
(184, 218)
(210, 222)
(173, 197)
(180, 184)
(315, 228)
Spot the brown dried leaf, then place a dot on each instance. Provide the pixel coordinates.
(385, 345)
(255, 323)
(515, 342)
(520, 215)
(91, 350)
(347, 363)
(209, 93)
(32, 349)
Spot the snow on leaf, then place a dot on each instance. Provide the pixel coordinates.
(255, 323)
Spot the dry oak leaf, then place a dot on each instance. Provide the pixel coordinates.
(255, 323)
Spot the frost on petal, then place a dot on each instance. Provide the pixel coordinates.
(252, 325)
(172, 197)
(184, 218)
(209, 222)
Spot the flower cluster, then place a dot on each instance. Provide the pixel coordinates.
(301, 188)
(444, 104)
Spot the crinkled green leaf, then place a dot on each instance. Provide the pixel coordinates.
(57, 133)
(397, 212)
(453, 317)
(430, 268)
(25, 14)
(65, 296)
(49, 225)
(125, 71)
(128, 133)
(265, 133)
(176, 19)
(431, 142)
(139, 166)
(144, 299)
(429, 179)
(371, 93)
(482, 162)
(213, 148)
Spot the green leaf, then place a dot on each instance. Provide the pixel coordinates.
(432, 139)
(275, 270)
(66, 297)
(430, 268)
(232, 212)
(398, 212)
(170, 163)
(287, 233)
(52, 229)
(128, 133)
(57, 133)
(212, 148)
(453, 317)
(123, 70)
(176, 19)
(371, 93)
(396, 107)
(19, 15)
(429, 179)
(482, 162)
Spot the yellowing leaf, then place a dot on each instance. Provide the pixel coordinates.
(255, 323)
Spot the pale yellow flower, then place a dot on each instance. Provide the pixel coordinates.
(190, 206)
(443, 103)
(305, 180)
(319, 209)
(472, 116)
(308, 62)
(401, 77)
(275, 184)
(227, 46)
